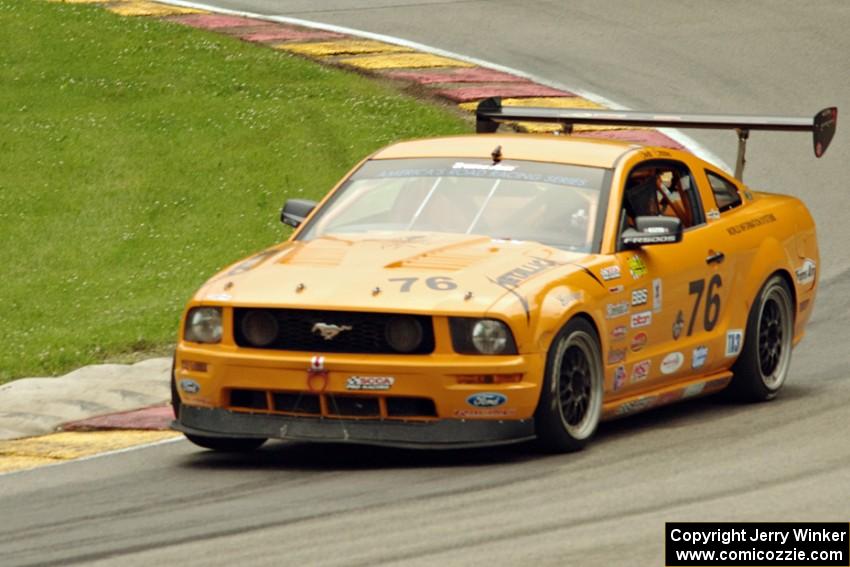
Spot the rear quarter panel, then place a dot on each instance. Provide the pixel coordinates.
(770, 233)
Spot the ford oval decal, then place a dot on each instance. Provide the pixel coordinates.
(486, 400)
(190, 386)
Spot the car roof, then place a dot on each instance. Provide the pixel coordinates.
(530, 147)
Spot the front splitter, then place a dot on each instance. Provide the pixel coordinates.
(438, 434)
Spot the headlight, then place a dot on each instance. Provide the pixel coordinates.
(489, 336)
(260, 328)
(404, 334)
(481, 336)
(203, 325)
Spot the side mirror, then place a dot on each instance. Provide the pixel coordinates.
(652, 230)
(295, 211)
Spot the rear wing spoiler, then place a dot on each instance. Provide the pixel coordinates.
(490, 113)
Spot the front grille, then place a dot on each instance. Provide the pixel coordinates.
(411, 407)
(252, 399)
(366, 335)
(297, 403)
(330, 405)
(354, 406)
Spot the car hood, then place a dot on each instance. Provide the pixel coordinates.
(413, 273)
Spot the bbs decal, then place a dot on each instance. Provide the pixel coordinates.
(712, 303)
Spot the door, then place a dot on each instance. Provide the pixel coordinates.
(675, 292)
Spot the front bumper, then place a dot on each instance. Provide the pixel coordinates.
(217, 371)
(437, 434)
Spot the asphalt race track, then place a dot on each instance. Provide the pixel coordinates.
(788, 460)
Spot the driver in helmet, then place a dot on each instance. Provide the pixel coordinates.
(641, 195)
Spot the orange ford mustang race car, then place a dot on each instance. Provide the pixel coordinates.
(496, 288)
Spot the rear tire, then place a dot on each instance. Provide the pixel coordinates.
(226, 444)
(762, 366)
(570, 404)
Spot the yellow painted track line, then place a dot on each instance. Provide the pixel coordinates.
(403, 61)
(146, 8)
(550, 102)
(342, 47)
(33, 452)
(79, 1)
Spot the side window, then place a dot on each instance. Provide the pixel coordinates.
(662, 187)
(725, 193)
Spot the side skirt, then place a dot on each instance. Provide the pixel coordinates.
(666, 395)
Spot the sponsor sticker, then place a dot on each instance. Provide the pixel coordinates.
(672, 362)
(567, 298)
(678, 325)
(638, 342)
(640, 370)
(806, 272)
(637, 267)
(518, 275)
(616, 355)
(669, 398)
(220, 297)
(656, 294)
(487, 400)
(619, 332)
(648, 238)
(619, 377)
(610, 273)
(642, 319)
(369, 382)
(699, 356)
(640, 297)
(693, 390)
(734, 342)
(713, 214)
(190, 386)
(485, 412)
(617, 289)
(616, 309)
(634, 406)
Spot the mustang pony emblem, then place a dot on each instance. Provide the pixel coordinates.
(328, 332)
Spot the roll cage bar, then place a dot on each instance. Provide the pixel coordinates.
(490, 113)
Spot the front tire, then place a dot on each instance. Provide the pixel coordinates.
(570, 403)
(762, 366)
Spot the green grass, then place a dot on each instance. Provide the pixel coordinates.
(137, 157)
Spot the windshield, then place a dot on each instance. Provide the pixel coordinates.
(554, 204)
